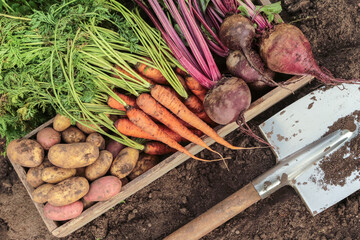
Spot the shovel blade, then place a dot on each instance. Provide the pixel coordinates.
(304, 122)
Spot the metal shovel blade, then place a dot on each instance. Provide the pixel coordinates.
(305, 122)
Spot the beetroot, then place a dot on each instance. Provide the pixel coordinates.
(239, 66)
(237, 33)
(227, 100)
(285, 49)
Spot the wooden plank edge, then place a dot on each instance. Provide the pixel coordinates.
(178, 158)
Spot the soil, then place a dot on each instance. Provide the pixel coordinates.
(332, 28)
(342, 163)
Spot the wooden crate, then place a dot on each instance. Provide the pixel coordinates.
(62, 230)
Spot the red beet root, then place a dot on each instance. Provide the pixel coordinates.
(237, 33)
(227, 100)
(286, 50)
(239, 66)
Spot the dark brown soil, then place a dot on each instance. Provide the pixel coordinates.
(342, 163)
(189, 190)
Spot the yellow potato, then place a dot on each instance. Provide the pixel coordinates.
(25, 152)
(97, 140)
(124, 162)
(144, 163)
(39, 195)
(33, 176)
(68, 191)
(86, 129)
(56, 174)
(73, 135)
(73, 155)
(100, 166)
(61, 123)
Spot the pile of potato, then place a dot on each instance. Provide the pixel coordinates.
(71, 167)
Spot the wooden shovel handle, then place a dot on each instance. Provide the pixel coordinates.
(217, 215)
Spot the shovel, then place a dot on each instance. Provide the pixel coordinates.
(301, 141)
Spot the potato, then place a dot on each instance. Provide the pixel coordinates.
(97, 140)
(86, 129)
(63, 213)
(73, 135)
(48, 137)
(25, 152)
(33, 175)
(114, 147)
(124, 162)
(144, 163)
(39, 195)
(87, 204)
(103, 189)
(56, 174)
(74, 155)
(68, 191)
(100, 167)
(61, 123)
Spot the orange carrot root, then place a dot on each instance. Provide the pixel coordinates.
(131, 76)
(157, 148)
(139, 118)
(194, 104)
(180, 72)
(126, 127)
(151, 73)
(169, 101)
(130, 100)
(150, 106)
(196, 88)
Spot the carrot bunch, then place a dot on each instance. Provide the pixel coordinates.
(161, 116)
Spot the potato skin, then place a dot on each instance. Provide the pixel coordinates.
(73, 155)
(56, 174)
(114, 147)
(103, 189)
(97, 140)
(68, 191)
(39, 195)
(84, 128)
(33, 175)
(62, 213)
(48, 137)
(73, 135)
(144, 163)
(124, 162)
(25, 152)
(100, 167)
(61, 123)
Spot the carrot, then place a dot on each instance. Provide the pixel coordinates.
(126, 127)
(150, 72)
(169, 132)
(131, 76)
(194, 104)
(203, 116)
(197, 132)
(157, 148)
(182, 81)
(139, 118)
(150, 106)
(180, 72)
(196, 88)
(172, 103)
(130, 100)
